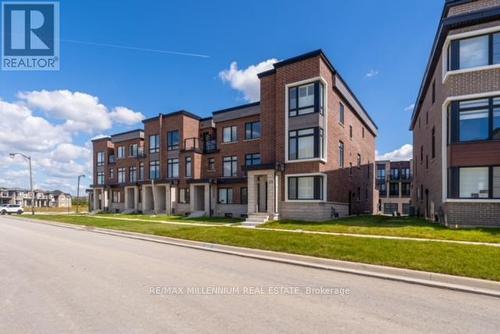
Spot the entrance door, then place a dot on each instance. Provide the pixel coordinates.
(262, 194)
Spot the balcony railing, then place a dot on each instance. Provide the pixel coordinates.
(380, 179)
(407, 177)
(197, 144)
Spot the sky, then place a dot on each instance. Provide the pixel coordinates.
(123, 61)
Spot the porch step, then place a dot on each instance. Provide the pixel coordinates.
(256, 219)
(128, 211)
(197, 214)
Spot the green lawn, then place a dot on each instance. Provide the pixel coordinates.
(182, 219)
(392, 226)
(455, 259)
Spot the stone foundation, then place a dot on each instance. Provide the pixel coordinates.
(472, 214)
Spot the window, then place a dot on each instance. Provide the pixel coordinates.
(350, 169)
(433, 91)
(305, 144)
(173, 139)
(363, 132)
(121, 175)
(359, 160)
(305, 188)
(350, 131)
(229, 134)
(121, 152)
(189, 167)
(184, 195)
(341, 154)
(100, 177)
(252, 159)
(496, 182)
(173, 168)
(116, 197)
(470, 120)
(426, 118)
(154, 170)
(394, 189)
(381, 172)
(394, 173)
(427, 161)
(474, 125)
(230, 166)
(111, 173)
(495, 133)
(383, 189)
(433, 143)
(405, 173)
(474, 182)
(405, 189)
(474, 52)
(154, 144)
(141, 171)
(132, 150)
(211, 164)
(244, 195)
(132, 174)
(341, 114)
(301, 100)
(252, 130)
(225, 195)
(100, 158)
(421, 154)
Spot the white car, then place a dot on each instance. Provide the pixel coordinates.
(11, 208)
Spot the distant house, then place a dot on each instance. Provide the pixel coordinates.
(43, 199)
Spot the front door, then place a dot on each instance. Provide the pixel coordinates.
(262, 194)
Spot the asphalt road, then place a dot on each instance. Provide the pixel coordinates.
(59, 280)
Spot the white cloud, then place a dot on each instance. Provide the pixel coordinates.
(372, 73)
(126, 116)
(246, 80)
(405, 152)
(410, 107)
(67, 151)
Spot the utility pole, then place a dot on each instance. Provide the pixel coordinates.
(27, 157)
(78, 193)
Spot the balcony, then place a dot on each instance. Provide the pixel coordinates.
(380, 179)
(407, 177)
(199, 145)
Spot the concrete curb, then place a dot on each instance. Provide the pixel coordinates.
(442, 281)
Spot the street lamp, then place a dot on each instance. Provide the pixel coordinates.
(78, 192)
(27, 157)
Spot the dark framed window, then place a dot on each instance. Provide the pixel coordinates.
(100, 177)
(225, 195)
(121, 175)
(342, 113)
(394, 173)
(154, 169)
(474, 182)
(433, 91)
(474, 51)
(433, 146)
(306, 99)
(132, 150)
(405, 189)
(252, 130)
(111, 173)
(341, 154)
(184, 195)
(230, 166)
(475, 120)
(405, 173)
(252, 159)
(154, 144)
(189, 167)
(211, 164)
(121, 152)
(244, 195)
(350, 131)
(173, 140)
(100, 158)
(381, 173)
(229, 134)
(305, 143)
(421, 154)
(132, 174)
(427, 161)
(305, 188)
(173, 168)
(393, 189)
(363, 132)
(383, 189)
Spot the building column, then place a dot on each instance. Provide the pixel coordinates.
(95, 200)
(104, 200)
(252, 193)
(168, 200)
(207, 199)
(136, 198)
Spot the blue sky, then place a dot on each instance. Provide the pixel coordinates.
(379, 47)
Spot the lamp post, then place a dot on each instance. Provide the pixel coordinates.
(27, 157)
(78, 193)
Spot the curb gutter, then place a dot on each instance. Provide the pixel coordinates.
(442, 281)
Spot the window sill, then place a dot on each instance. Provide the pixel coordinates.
(251, 140)
(229, 142)
(467, 70)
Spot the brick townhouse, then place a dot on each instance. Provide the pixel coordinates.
(305, 151)
(456, 120)
(394, 184)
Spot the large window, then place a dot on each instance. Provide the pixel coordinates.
(100, 158)
(405, 189)
(184, 195)
(121, 175)
(342, 115)
(132, 174)
(305, 188)
(173, 139)
(475, 120)
(252, 130)
(173, 168)
(302, 99)
(100, 177)
(121, 152)
(225, 195)
(252, 159)
(474, 52)
(394, 189)
(230, 166)
(341, 154)
(154, 170)
(211, 164)
(154, 144)
(132, 150)
(381, 172)
(305, 144)
(243, 195)
(189, 167)
(474, 182)
(229, 134)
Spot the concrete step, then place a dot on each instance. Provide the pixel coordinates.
(255, 219)
(197, 214)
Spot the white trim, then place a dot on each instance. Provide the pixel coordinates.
(444, 137)
(468, 34)
(325, 188)
(325, 119)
